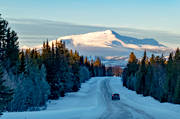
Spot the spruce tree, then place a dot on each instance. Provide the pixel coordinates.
(5, 93)
(132, 64)
(169, 78)
(152, 59)
(177, 54)
(8, 45)
(132, 58)
(22, 66)
(12, 47)
(149, 78)
(3, 30)
(176, 71)
(162, 60)
(177, 91)
(87, 62)
(141, 74)
(97, 62)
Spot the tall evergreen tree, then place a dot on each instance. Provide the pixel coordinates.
(5, 93)
(8, 44)
(177, 54)
(152, 59)
(177, 91)
(12, 47)
(169, 78)
(141, 74)
(132, 64)
(3, 31)
(132, 58)
(22, 66)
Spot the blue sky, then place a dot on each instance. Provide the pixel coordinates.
(144, 14)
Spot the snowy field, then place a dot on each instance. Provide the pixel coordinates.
(94, 100)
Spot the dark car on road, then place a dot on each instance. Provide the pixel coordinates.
(115, 96)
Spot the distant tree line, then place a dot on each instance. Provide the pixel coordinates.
(114, 70)
(29, 77)
(155, 76)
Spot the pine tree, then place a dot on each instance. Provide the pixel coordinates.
(5, 93)
(170, 74)
(22, 66)
(8, 45)
(81, 60)
(98, 67)
(3, 30)
(141, 74)
(75, 67)
(12, 47)
(157, 60)
(104, 70)
(97, 62)
(53, 51)
(152, 59)
(177, 91)
(87, 62)
(92, 69)
(148, 81)
(177, 54)
(162, 60)
(132, 64)
(132, 58)
(176, 71)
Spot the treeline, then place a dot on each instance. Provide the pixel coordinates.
(66, 70)
(114, 70)
(29, 77)
(155, 76)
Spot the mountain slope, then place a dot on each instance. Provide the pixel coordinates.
(111, 39)
(112, 47)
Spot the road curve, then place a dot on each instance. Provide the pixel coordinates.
(118, 109)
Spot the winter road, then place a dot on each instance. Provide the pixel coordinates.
(116, 109)
(93, 101)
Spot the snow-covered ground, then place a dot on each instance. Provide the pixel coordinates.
(93, 101)
(84, 104)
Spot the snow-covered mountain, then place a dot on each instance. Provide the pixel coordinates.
(111, 45)
(110, 39)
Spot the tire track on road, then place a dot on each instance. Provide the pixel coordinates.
(112, 111)
(118, 109)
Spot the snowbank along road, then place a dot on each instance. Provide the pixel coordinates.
(93, 101)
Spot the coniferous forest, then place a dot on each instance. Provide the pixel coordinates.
(29, 77)
(155, 76)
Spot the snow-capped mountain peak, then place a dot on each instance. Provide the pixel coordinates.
(111, 46)
(110, 39)
(94, 39)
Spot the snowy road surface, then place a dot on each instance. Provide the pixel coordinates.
(118, 109)
(93, 101)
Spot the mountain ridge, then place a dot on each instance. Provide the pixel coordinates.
(109, 38)
(112, 47)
